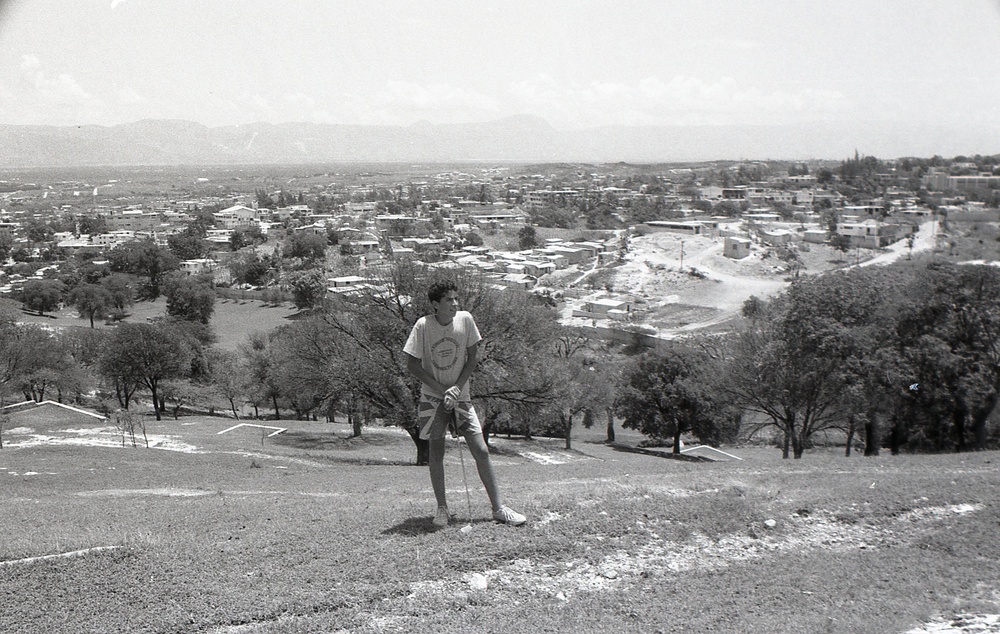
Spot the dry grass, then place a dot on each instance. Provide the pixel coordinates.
(317, 532)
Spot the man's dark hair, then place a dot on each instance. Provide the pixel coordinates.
(438, 290)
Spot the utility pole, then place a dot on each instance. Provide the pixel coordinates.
(682, 255)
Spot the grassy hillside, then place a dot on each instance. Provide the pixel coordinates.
(311, 531)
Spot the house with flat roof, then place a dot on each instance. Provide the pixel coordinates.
(736, 248)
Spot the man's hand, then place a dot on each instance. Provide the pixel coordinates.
(454, 392)
(449, 403)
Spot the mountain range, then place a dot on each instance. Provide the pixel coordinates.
(515, 139)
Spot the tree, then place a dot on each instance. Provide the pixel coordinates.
(227, 375)
(6, 247)
(844, 320)
(259, 356)
(770, 370)
(580, 388)
(264, 199)
(727, 208)
(526, 238)
(144, 355)
(190, 297)
(665, 395)
(307, 246)
(840, 242)
(351, 351)
(472, 239)
(190, 244)
(91, 300)
(250, 268)
(121, 291)
(949, 330)
(144, 259)
(42, 295)
(93, 225)
(308, 288)
(49, 365)
(19, 345)
(38, 231)
(246, 236)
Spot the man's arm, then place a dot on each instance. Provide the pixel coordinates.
(471, 360)
(416, 368)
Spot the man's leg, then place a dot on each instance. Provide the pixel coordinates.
(481, 453)
(435, 460)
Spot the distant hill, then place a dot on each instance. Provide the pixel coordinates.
(520, 138)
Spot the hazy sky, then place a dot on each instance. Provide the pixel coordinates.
(577, 64)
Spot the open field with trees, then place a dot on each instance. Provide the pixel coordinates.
(902, 356)
(314, 530)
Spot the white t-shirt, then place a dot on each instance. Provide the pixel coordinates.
(442, 349)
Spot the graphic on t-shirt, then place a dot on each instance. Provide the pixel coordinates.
(444, 353)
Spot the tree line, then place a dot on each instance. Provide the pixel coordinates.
(904, 357)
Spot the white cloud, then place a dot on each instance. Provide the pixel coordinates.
(46, 97)
(681, 100)
(129, 97)
(390, 103)
(61, 88)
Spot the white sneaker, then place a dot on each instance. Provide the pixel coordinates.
(506, 515)
(442, 517)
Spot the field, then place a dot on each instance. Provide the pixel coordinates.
(232, 321)
(312, 531)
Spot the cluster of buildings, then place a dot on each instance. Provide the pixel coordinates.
(411, 218)
(519, 269)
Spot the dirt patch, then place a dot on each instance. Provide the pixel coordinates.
(661, 558)
(91, 437)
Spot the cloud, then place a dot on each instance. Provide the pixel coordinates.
(129, 97)
(389, 103)
(681, 100)
(115, 3)
(39, 95)
(60, 89)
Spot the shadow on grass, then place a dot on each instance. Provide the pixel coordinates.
(330, 440)
(413, 526)
(362, 462)
(508, 452)
(659, 454)
(518, 452)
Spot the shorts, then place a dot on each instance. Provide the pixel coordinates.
(434, 419)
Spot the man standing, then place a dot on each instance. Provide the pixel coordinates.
(441, 352)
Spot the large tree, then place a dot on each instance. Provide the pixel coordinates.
(307, 246)
(191, 298)
(144, 354)
(949, 334)
(772, 372)
(121, 287)
(353, 348)
(145, 259)
(249, 267)
(42, 296)
(260, 357)
(190, 244)
(246, 237)
(227, 375)
(308, 288)
(667, 394)
(20, 345)
(91, 301)
(845, 320)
